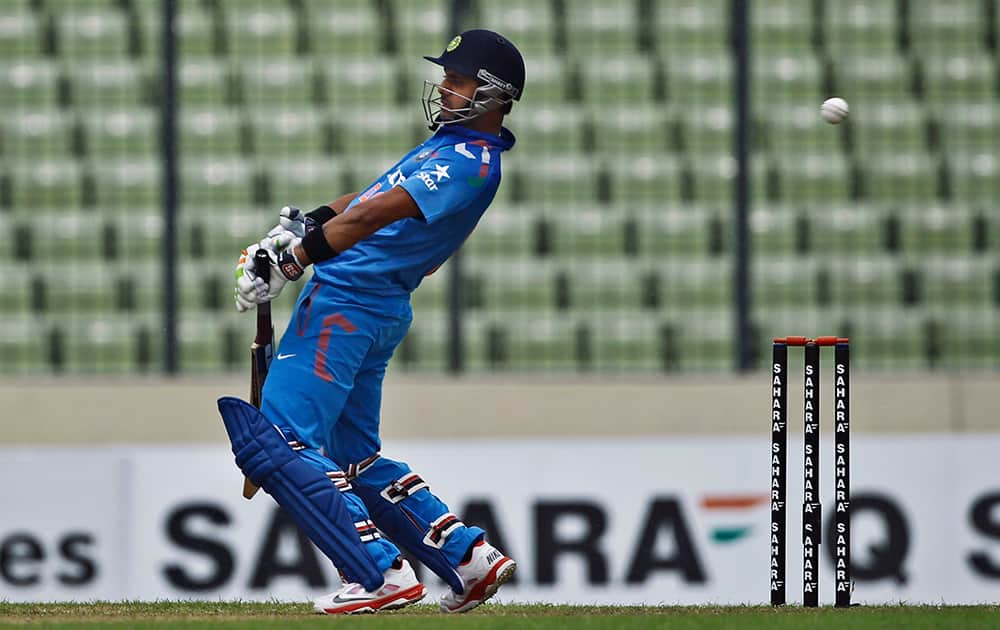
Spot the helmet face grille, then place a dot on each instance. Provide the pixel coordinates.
(486, 98)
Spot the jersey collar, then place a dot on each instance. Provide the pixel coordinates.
(503, 142)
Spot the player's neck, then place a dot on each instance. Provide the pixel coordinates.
(485, 124)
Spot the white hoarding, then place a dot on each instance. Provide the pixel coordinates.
(652, 520)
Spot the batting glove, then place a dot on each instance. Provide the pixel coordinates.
(251, 290)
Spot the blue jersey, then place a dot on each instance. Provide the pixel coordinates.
(453, 177)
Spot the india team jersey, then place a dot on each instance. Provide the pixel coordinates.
(453, 177)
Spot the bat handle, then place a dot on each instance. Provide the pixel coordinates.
(262, 265)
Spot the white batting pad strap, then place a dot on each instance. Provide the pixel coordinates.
(354, 470)
(441, 527)
(403, 487)
(367, 531)
(339, 479)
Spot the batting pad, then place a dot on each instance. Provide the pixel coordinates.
(304, 492)
(403, 507)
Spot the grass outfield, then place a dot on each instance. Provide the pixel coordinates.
(280, 615)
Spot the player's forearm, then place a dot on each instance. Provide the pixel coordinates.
(345, 230)
(340, 204)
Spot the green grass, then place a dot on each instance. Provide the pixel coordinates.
(163, 615)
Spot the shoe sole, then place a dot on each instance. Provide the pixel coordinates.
(501, 574)
(410, 596)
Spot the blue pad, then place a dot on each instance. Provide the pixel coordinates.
(304, 492)
(402, 506)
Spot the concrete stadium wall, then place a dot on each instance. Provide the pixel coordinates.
(163, 411)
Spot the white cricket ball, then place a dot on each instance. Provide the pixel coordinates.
(834, 110)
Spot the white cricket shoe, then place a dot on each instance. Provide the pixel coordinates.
(400, 588)
(482, 576)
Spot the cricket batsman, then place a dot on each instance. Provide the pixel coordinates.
(314, 444)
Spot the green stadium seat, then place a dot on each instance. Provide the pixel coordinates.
(110, 84)
(889, 128)
(528, 23)
(223, 231)
(422, 27)
(956, 280)
(133, 131)
(708, 129)
(356, 174)
(669, 232)
(361, 82)
(347, 27)
(695, 80)
(306, 181)
(969, 127)
(598, 285)
(276, 81)
(595, 28)
(529, 341)
(383, 129)
(692, 26)
(975, 177)
(792, 129)
(222, 181)
(813, 177)
(865, 282)
(549, 129)
(203, 81)
(607, 78)
(970, 337)
(127, 183)
(844, 228)
(649, 179)
(691, 282)
(432, 294)
(49, 183)
(513, 284)
(852, 25)
(958, 77)
(217, 131)
(714, 176)
(23, 342)
(783, 25)
(425, 347)
(210, 343)
(27, 84)
(288, 132)
(783, 280)
(948, 26)
(505, 231)
(938, 229)
(627, 129)
(261, 31)
(91, 34)
(583, 231)
(84, 289)
(785, 78)
(112, 344)
(900, 177)
(559, 182)
(19, 34)
(28, 136)
(15, 286)
(626, 341)
(875, 75)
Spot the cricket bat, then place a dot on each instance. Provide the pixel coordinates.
(261, 350)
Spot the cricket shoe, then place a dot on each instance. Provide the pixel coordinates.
(482, 577)
(400, 588)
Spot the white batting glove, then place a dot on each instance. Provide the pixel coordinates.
(251, 290)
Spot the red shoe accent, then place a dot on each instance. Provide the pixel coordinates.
(478, 592)
(388, 602)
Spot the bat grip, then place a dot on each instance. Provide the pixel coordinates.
(262, 265)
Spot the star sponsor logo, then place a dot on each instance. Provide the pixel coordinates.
(441, 172)
(428, 180)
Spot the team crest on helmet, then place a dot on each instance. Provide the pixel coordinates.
(453, 44)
